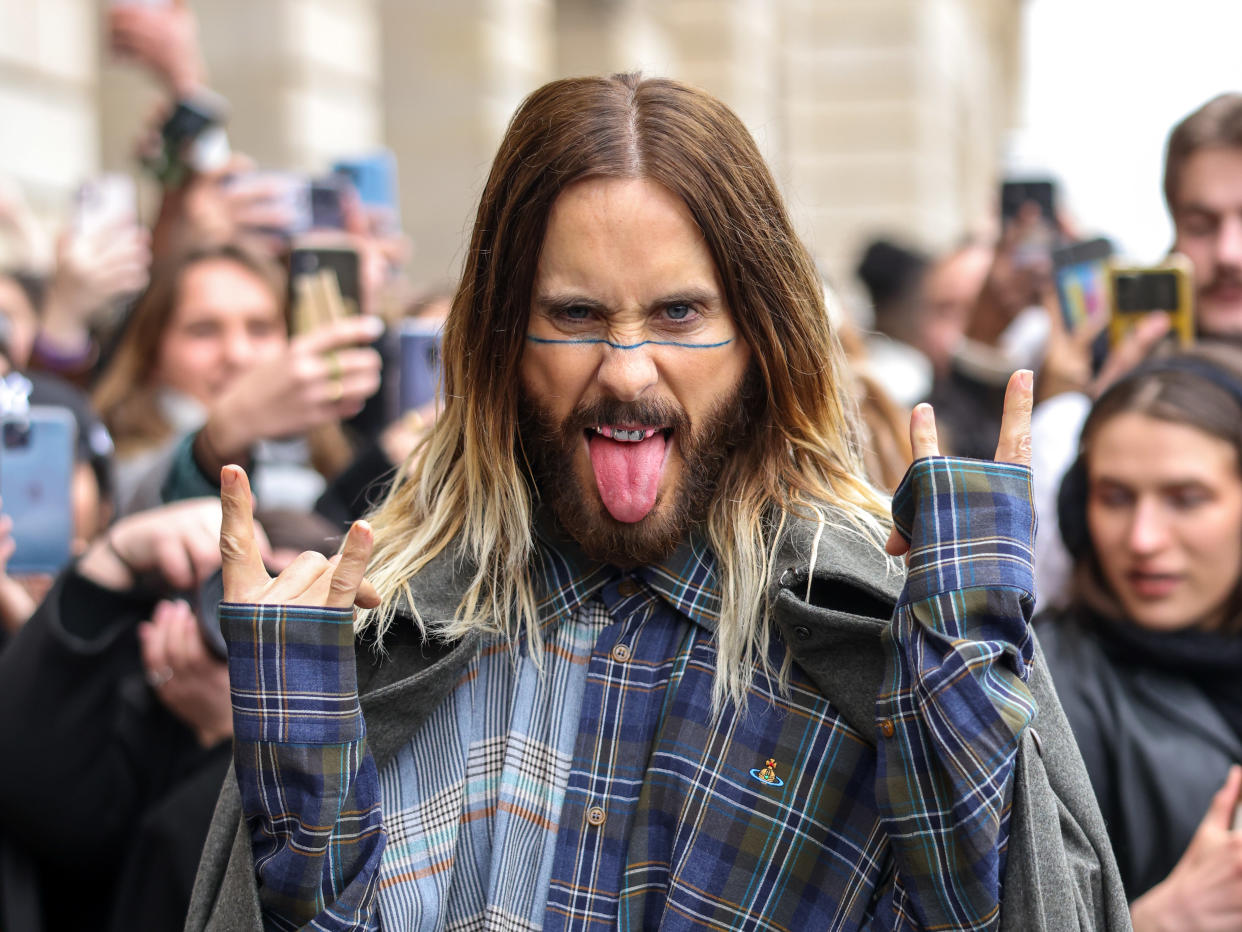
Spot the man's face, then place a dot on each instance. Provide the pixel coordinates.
(633, 373)
(1207, 218)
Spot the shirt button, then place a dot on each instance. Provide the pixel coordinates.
(627, 588)
(802, 632)
(621, 653)
(595, 815)
(886, 728)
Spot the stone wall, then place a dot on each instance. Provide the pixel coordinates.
(878, 116)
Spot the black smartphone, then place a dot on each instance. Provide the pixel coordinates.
(1037, 244)
(1015, 193)
(326, 211)
(192, 139)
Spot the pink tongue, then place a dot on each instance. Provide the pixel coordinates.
(628, 474)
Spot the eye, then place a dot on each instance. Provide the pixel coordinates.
(577, 312)
(1112, 496)
(1188, 498)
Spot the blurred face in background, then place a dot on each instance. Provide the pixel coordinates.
(225, 319)
(948, 295)
(1207, 219)
(1164, 510)
(20, 323)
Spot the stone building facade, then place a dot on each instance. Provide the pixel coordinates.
(876, 115)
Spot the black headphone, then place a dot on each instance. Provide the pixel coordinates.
(1072, 496)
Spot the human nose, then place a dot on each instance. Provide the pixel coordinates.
(238, 349)
(627, 372)
(1148, 528)
(1229, 242)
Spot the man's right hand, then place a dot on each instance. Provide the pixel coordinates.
(321, 377)
(311, 579)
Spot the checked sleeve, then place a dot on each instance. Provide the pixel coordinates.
(954, 703)
(309, 787)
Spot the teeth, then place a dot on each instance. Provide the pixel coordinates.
(626, 435)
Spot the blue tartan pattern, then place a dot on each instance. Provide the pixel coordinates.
(667, 820)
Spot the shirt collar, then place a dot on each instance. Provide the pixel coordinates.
(686, 579)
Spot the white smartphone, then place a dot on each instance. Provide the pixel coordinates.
(104, 203)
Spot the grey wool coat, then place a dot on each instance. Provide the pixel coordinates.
(1060, 872)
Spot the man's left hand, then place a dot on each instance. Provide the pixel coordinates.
(1014, 445)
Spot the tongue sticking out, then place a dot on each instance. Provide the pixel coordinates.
(628, 474)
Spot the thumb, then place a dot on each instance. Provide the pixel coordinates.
(1225, 803)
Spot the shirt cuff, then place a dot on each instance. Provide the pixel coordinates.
(292, 673)
(970, 524)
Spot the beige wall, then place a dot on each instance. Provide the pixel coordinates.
(878, 116)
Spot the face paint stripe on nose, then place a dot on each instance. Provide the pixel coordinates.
(628, 346)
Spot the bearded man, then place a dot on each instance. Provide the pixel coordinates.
(635, 655)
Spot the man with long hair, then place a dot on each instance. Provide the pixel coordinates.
(632, 650)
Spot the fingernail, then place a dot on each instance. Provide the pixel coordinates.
(228, 476)
(374, 326)
(1026, 378)
(362, 525)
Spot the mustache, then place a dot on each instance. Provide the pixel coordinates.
(1225, 277)
(652, 413)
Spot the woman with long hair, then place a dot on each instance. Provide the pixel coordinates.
(1147, 657)
(206, 374)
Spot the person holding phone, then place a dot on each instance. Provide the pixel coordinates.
(1147, 655)
(207, 373)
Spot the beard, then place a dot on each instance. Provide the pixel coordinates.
(552, 450)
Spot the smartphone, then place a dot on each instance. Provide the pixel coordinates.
(337, 265)
(192, 139)
(374, 177)
(37, 456)
(105, 203)
(1138, 291)
(420, 362)
(1037, 245)
(326, 211)
(1080, 272)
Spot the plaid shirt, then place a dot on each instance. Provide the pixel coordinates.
(774, 816)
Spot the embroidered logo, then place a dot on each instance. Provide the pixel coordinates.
(768, 774)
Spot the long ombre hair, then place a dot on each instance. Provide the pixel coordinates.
(466, 489)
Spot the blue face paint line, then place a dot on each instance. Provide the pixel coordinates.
(627, 346)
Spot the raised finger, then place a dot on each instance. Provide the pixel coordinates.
(923, 440)
(346, 332)
(1014, 445)
(241, 562)
(352, 566)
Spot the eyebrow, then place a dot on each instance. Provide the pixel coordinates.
(690, 295)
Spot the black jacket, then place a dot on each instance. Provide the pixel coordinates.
(105, 797)
(1156, 747)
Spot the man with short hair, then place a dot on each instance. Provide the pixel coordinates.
(645, 661)
(1203, 191)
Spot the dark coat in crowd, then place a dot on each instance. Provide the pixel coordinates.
(105, 797)
(1154, 729)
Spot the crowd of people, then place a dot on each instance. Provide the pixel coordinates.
(504, 580)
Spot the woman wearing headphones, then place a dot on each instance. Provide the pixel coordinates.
(1147, 658)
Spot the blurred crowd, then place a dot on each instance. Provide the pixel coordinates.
(262, 317)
